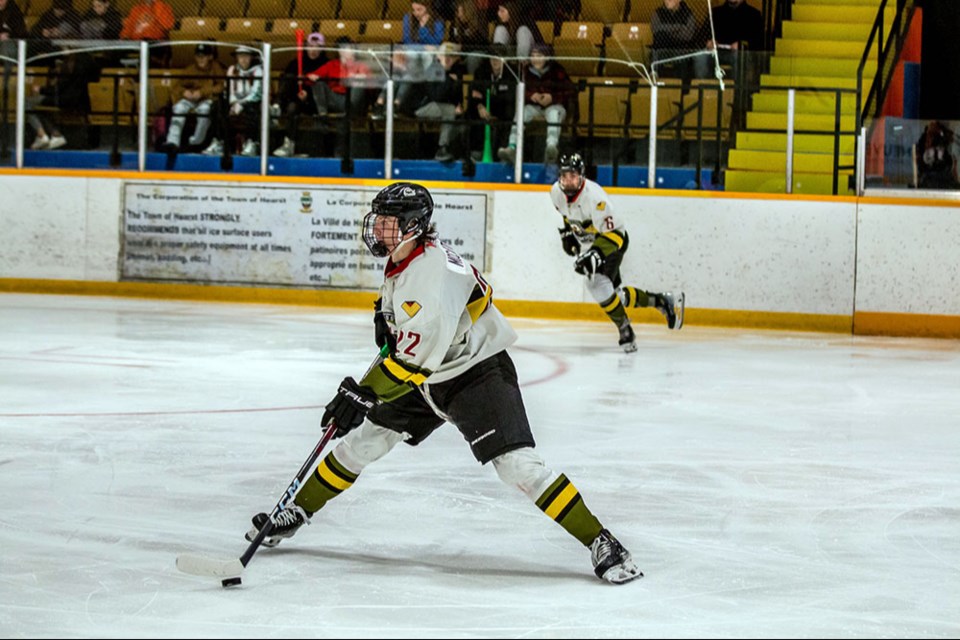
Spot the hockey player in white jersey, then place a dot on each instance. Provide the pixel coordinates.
(596, 237)
(447, 363)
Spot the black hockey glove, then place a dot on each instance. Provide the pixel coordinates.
(350, 406)
(381, 330)
(570, 243)
(588, 263)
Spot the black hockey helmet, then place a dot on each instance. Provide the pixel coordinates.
(409, 202)
(571, 162)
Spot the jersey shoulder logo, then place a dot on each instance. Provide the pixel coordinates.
(412, 307)
(601, 205)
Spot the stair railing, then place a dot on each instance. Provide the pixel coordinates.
(887, 52)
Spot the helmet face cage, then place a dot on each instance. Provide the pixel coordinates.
(572, 162)
(410, 203)
(377, 247)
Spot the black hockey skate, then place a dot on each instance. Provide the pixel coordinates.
(288, 520)
(611, 562)
(628, 340)
(671, 306)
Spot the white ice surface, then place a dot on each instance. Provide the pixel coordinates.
(769, 484)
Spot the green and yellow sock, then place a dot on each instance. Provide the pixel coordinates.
(329, 480)
(614, 310)
(562, 502)
(637, 297)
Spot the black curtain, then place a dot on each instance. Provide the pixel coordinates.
(940, 66)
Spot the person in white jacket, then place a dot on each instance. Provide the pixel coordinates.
(244, 95)
(595, 235)
(447, 362)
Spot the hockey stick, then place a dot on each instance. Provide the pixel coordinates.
(230, 569)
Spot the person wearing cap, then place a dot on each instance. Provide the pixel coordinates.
(244, 93)
(548, 92)
(296, 96)
(202, 81)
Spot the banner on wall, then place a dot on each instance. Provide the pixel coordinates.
(273, 235)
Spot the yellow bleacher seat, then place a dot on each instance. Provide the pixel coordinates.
(101, 100)
(284, 30)
(245, 30)
(333, 29)
(395, 9)
(269, 9)
(668, 104)
(578, 57)
(383, 31)
(610, 100)
(546, 30)
(196, 28)
(629, 42)
(222, 9)
(591, 32)
(315, 9)
(38, 7)
(605, 11)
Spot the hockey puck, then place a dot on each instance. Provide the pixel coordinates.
(230, 582)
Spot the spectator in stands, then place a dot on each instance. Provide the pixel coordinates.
(469, 30)
(66, 91)
(335, 87)
(12, 25)
(494, 83)
(296, 96)
(244, 93)
(101, 22)
(516, 29)
(148, 20)
(674, 30)
(344, 87)
(58, 22)
(408, 71)
(195, 93)
(549, 91)
(935, 159)
(441, 96)
(420, 27)
(736, 26)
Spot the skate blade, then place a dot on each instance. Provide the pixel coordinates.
(621, 574)
(678, 308)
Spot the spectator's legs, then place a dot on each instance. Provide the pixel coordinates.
(203, 109)
(180, 110)
(555, 114)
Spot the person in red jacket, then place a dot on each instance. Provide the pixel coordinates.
(549, 91)
(149, 20)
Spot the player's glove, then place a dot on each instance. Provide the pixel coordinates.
(350, 406)
(381, 329)
(588, 263)
(570, 243)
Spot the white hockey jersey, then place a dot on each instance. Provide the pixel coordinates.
(441, 311)
(589, 213)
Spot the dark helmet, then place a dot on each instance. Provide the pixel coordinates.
(409, 202)
(572, 162)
